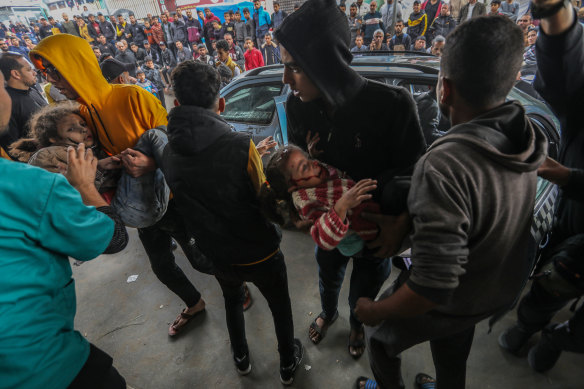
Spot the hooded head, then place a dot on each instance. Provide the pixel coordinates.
(75, 62)
(324, 60)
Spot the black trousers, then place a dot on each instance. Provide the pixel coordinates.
(157, 241)
(98, 373)
(271, 279)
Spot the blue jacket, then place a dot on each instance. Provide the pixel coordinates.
(262, 21)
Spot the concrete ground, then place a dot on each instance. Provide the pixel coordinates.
(130, 322)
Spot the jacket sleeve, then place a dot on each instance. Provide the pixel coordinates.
(440, 237)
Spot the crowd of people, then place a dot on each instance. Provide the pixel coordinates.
(364, 186)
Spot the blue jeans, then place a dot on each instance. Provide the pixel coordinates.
(369, 274)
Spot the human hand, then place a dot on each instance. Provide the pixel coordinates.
(81, 167)
(136, 163)
(265, 145)
(311, 142)
(554, 171)
(110, 163)
(393, 230)
(366, 312)
(355, 196)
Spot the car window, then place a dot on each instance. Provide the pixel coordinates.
(252, 104)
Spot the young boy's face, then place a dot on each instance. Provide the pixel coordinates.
(222, 54)
(268, 39)
(227, 17)
(147, 24)
(237, 17)
(359, 41)
(179, 45)
(495, 7)
(73, 129)
(141, 77)
(276, 7)
(246, 15)
(202, 51)
(150, 64)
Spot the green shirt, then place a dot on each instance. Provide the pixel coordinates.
(42, 222)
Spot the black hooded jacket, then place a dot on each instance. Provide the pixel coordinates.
(205, 165)
(374, 131)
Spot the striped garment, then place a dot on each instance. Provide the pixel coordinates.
(317, 205)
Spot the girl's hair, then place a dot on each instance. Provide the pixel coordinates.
(275, 200)
(43, 124)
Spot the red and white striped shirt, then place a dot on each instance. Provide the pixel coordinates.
(317, 204)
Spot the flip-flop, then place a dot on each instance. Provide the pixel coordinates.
(424, 381)
(369, 383)
(173, 331)
(321, 331)
(357, 343)
(247, 303)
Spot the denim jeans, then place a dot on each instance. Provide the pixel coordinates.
(157, 241)
(367, 277)
(142, 201)
(271, 279)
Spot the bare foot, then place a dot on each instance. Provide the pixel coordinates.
(357, 342)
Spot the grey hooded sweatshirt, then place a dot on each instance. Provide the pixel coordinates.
(471, 201)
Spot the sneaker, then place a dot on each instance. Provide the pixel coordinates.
(242, 364)
(287, 373)
(544, 355)
(514, 338)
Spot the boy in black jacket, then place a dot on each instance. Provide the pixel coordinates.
(215, 175)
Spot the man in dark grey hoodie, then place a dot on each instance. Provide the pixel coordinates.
(471, 204)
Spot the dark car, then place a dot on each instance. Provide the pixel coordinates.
(255, 103)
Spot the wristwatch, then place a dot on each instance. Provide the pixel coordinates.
(541, 12)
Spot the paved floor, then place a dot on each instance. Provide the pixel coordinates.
(130, 321)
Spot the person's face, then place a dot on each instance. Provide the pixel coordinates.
(73, 129)
(147, 46)
(121, 19)
(202, 51)
(416, 7)
(276, 7)
(227, 18)
(91, 18)
(120, 46)
(237, 17)
(531, 37)
(141, 77)
(303, 172)
(101, 18)
(372, 7)
(53, 22)
(268, 39)
(302, 87)
(229, 39)
(85, 8)
(27, 41)
(179, 45)
(444, 11)
(101, 39)
(398, 28)
(523, 22)
(257, 4)
(189, 14)
(437, 48)
(26, 73)
(147, 24)
(80, 22)
(164, 18)
(420, 44)
(359, 41)
(208, 13)
(15, 42)
(134, 48)
(201, 14)
(246, 15)
(222, 54)
(132, 19)
(353, 11)
(150, 64)
(113, 19)
(216, 25)
(343, 8)
(65, 17)
(44, 22)
(495, 7)
(97, 52)
(378, 38)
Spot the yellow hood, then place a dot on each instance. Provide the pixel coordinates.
(117, 114)
(73, 57)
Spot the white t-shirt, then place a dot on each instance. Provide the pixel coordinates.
(470, 8)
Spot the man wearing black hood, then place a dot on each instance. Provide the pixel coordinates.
(328, 102)
(471, 203)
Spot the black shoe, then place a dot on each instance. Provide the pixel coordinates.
(544, 355)
(287, 373)
(243, 364)
(514, 338)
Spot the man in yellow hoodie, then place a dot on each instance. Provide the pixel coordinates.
(118, 115)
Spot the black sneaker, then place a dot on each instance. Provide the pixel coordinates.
(287, 373)
(514, 338)
(544, 355)
(242, 365)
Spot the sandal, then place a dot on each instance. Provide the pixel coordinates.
(177, 326)
(321, 331)
(424, 381)
(247, 303)
(357, 343)
(369, 383)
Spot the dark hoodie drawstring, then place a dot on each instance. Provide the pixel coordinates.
(102, 125)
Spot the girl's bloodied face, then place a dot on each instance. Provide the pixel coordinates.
(73, 130)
